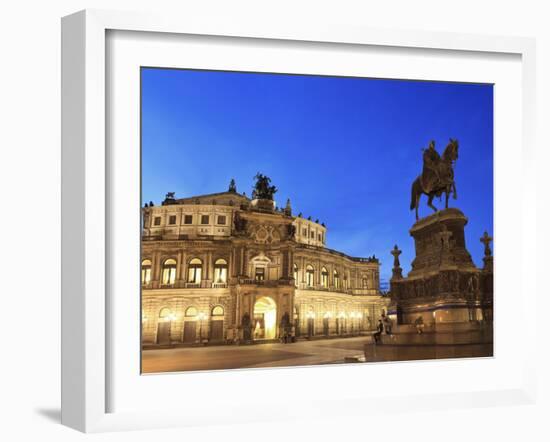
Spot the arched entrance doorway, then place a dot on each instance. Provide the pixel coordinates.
(265, 318)
(164, 331)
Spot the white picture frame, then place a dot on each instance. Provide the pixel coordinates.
(85, 210)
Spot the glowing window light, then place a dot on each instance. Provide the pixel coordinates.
(169, 272)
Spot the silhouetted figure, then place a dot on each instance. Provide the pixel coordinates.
(378, 333)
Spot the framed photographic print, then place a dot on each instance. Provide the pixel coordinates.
(225, 271)
(257, 212)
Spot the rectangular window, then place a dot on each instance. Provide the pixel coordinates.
(304, 232)
(188, 219)
(312, 234)
(309, 278)
(194, 274)
(169, 275)
(156, 221)
(172, 219)
(146, 274)
(319, 237)
(220, 275)
(221, 219)
(205, 219)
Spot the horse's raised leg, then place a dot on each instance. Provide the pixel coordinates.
(430, 199)
(416, 205)
(447, 198)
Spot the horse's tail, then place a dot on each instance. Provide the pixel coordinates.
(414, 192)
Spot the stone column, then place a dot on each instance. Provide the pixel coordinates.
(155, 269)
(243, 261)
(230, 264)
(178, 268)
(284, 264)
(236, 261)
(184, 267)
(210, 266)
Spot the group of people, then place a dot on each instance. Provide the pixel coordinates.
(384, 325)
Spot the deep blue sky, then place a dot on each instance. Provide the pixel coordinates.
(344, 150)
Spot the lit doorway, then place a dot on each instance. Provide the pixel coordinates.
(164, 330)
(265, 318)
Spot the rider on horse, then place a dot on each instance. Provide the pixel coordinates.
(430, 172)
(437, 175)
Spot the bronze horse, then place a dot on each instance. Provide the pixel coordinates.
(444, 183)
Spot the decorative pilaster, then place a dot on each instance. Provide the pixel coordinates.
(179, 273)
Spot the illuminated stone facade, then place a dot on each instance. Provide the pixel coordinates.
(224, 268)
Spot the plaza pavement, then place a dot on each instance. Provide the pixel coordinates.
(315, 352)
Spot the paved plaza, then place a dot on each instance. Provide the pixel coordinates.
(315, 352)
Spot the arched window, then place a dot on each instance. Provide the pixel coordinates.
(336, 280)
(295, 274)
(166, 315)
(191, 312)
(194, 274)
(218, 311)
(220, 271)
(324, 277)
(146, 271)
(169, 272)
(309, 275)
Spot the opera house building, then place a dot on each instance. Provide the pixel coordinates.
(225, 268)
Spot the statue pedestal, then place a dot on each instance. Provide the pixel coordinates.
(439, 243)
(444, 287)
(263, 205)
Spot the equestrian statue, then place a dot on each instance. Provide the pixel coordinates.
(437, 176)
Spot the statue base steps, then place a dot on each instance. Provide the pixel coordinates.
(441, 334)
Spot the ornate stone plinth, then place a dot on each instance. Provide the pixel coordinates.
(263, 205)
(444, 287)
(439, 243)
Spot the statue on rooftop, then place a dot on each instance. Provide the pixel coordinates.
(240, 223)
(232, 186)
(291, 231)
(262, 188)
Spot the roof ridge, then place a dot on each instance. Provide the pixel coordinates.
(206, 195)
